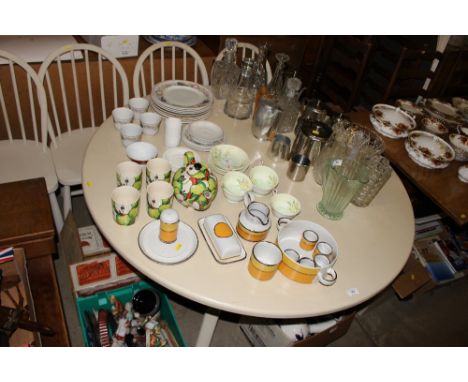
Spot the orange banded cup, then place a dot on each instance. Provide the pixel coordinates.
(323, 248)
(308, 240)
(264, 260)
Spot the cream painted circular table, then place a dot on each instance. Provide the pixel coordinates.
(374, 242)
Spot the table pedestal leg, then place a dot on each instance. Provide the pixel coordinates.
(208, 326)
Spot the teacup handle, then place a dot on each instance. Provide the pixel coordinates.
(327, 276)
(248, 198)
(282, 222)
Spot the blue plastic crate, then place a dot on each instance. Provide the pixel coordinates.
(101, 301)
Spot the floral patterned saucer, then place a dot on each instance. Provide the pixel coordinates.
(428, 150)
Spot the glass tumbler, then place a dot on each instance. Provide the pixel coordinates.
(339, 187)
(379, 172)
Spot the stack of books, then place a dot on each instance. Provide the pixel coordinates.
(442, 252)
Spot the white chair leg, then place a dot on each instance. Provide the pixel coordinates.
(67, 204)
(56, 213)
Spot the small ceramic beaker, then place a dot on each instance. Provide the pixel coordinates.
(125, 204)
(158, 169)
(159, 197)
(139, 106)
(129, 174)
(122, 116)
(264, 260)
(150, 123)
(130, 133)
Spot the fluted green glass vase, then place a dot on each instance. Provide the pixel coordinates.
(342, 180)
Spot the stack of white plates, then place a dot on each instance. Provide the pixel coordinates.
(202, 135)
(225, 158)
(428, 150)
(391, 121)
(186, 100)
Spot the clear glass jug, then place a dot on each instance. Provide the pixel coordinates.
(225, 72)
(240, 99)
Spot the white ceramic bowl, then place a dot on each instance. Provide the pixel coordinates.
(141, 152)
(285, 206)
(463, 173)
(434, 126)
(460, 145)
(264, 179)
(235, 185)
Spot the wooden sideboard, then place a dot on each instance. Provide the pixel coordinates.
(27, 223)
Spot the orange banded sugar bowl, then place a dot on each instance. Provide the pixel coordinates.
(293, 266)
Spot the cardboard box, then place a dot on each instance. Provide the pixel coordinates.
(270, 334)
(101, 273)
(89, 275)
(430, 254)
(11, 268)
(118, 46)
(91, 241)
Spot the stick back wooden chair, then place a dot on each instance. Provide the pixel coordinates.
(247, 49)
(24, 153)
(168, 60)
(83, 83)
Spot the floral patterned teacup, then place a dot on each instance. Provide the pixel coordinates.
(264, 180)
(285, 206)
(235, 185)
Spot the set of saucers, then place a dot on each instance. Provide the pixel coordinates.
(225, 158)
(186, 100)
(202, 135)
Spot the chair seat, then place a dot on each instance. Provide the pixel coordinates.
(21, 160)
(69, 153)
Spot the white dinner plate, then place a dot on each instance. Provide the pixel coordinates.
(177, 94)
(181, 250)
(205, 132)
(189, 142)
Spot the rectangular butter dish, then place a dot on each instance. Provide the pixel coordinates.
(222, 239)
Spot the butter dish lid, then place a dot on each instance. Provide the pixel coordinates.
(222, 239)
